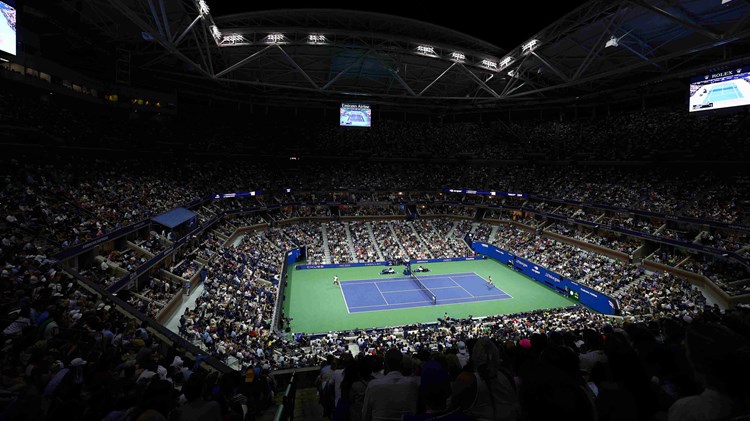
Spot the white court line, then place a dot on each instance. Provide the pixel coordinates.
(459, 285)
(488, 298)
(381, 294)
(410, 290)
(395, 304)
(344, 295)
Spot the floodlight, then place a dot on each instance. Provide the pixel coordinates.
(426, 49)
(316, 38)
(613, 42)
(458, 56)
(203, 7)
(216, 33)
(275, 37)
(506, 62)
(530, 46)
(233, 38)
(489, 63)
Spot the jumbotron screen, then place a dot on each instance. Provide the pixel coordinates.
(7, 28)
(355, 115)
(725, 89)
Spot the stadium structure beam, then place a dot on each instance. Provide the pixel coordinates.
(244, 61)
(597, 46)
(94, 17)
(177, 41)
(631, 67)
(157, 19)
(737, 26)
(165, 21)
(346, 70)
(559, 73)
(144, 26)
(437, 78)
(514, 76)
(687, 24)
(637, 54)
(299, 69)
(479, 82)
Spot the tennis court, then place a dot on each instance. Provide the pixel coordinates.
(403, 292)
(723, 92)
(366, 299)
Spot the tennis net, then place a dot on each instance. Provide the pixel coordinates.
(427, 292)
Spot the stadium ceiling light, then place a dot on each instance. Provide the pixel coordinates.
(274, 38)
(613, 42)
(530, 46)
(458, 56)
(216, 33)
(489, 64)
(426, 50)
(233, 39)
(316, 38)
(203, 8)
(506, 62)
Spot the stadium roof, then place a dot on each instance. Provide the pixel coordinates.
(317, 55)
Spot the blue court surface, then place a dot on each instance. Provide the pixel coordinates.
(723, 92)
(403, 292)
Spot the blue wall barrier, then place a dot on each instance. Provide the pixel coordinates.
(362, 264)
(341, 265)
(492, 252)
(292, 255)
(585, 295)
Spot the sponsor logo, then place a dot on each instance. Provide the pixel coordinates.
(722, 74)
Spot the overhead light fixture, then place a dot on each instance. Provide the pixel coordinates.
(490, 64)
(233, 39)
(216, 33)
(426, 50)
(530, 46)
(203, 8)
(614, 41)
(506, 62)
(316, 38)
(458, 56)
(274, 38)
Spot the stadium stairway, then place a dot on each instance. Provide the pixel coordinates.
(395, 239)
(326, 250)
(349, 242)
(450, 231)
(422, 241)
(374, 241)
(493, 234)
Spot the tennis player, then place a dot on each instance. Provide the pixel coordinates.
(336, 280)
(489, 281)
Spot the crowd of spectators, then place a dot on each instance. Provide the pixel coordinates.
(70, 354)
(339, 244)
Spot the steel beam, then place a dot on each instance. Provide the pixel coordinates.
(242, 62)
(299, 69)
(436, 79)
(690, 25)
